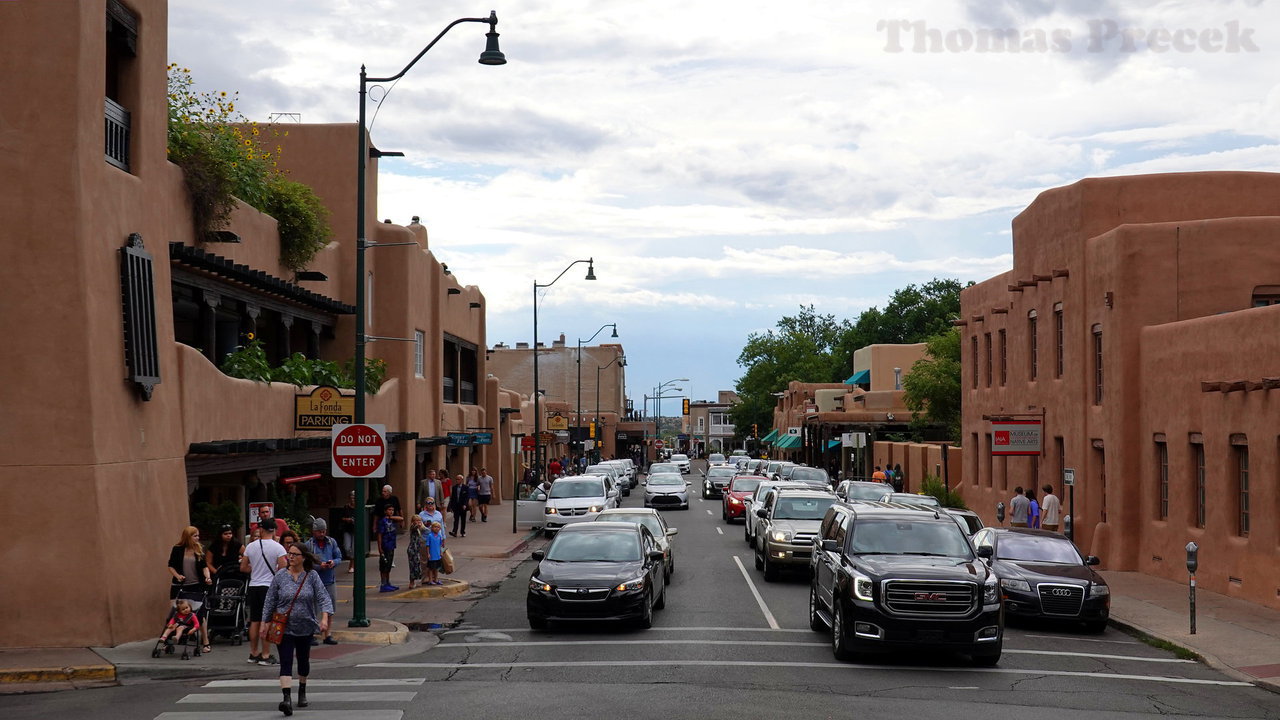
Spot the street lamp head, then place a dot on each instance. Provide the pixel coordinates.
(622, 360)
(492, 55)
(615, 333)
(591, 271)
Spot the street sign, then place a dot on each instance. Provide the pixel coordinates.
(657, 444)
(1068, 476)
(482, 438)
(853, 440)
(1015, 437)
(358, 451)
(527, 443)
(795, 430)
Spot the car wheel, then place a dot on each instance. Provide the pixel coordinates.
(646, 620)
(770, 570)
(537, 623)
(548, 533)
(815, 620)
(746, 531)
(759, 560)
(987, 658)
(839, 643)
(724, 515)
(662, 600)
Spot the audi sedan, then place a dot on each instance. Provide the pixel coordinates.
(1042, 575)
(597, 571)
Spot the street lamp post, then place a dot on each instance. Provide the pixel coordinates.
(577, 420)
(657, 394)
(539, 465)
(621, 360)
(491, 56)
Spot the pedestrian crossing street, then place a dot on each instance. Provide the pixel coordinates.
(369, 698)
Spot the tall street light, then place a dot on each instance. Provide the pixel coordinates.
(657, 394)
(539, 465)
(491, 56)
(577, 421)
(621, 360)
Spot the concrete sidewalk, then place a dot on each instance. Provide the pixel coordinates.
(484, 558)
(1239, 638)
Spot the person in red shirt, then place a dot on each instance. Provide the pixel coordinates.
(554, 469)
(182, 622)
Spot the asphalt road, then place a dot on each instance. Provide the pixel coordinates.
(728, 645)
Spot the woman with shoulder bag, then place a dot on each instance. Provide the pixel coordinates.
(289, 615)
(189, 574)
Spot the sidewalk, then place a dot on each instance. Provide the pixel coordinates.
(1239, 638)
(484, 558)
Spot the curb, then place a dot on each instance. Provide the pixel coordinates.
(79, 673)
(449, 589)
(398, 635)
(1211, 660)
(519, 547)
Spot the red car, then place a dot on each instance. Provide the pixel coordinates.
(737, 496)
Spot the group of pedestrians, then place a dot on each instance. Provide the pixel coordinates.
(1025, 511)
(892, 476)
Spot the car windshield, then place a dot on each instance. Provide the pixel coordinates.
(801, 508)
(909, 537)
(715, 457)
(809, 475)
(595, 547)
(666, 479)
(722, 472)
(913, 499)
(868, 491)
(663, 467)
(648, 520)
(745, 484)
(679, 458)
(600, 470)
(576, 489)
(1033, 548)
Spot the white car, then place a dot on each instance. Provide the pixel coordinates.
(613, 471)
(626, 470)
(716, 459)
(656, 524)
(578, 499)
(681, 460)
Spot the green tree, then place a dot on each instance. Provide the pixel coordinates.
(913, 314)
(932, 388)
(800, 348)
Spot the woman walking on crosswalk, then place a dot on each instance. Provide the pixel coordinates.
(297, 593)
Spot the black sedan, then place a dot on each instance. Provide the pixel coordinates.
(597, 571)
(1042, 575)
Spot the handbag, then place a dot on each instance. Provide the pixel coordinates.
(275, 628)
(446, 562)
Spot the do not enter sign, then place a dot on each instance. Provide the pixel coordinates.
(359, 451)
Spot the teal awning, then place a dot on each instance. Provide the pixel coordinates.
(788, 442)
(773, 435)
(833, 443)
(862, 377)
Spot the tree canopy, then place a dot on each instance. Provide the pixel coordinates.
(932, 388)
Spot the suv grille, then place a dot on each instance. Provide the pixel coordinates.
(804, 538)
(582, 593)
(927, 597)
(1060, 599)
(570, 512)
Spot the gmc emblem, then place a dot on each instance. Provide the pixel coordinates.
(931, 597)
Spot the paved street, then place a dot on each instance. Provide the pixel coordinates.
(728, 645)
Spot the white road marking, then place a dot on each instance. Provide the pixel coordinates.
(650, 630)
(1079, 639)
(613, 664)
(708, 512)
(275, 683)
(1135, 658)
(964, 687)
(719, 531)
(773, 623)
(611, 643)
(271, 698)
(275, 715)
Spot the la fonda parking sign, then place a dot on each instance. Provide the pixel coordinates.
(359, 451)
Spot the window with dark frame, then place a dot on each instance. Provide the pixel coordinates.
(1162, 465)
(138, 301)
(1034, 343)
(1059, 332)
(121, 82)
(1197, 453)
(974, 445)
(1060, 449)
(1004, 358)
(1242, 488)
(973, 347)
(986, 341)
(1097, 364)
(991, 463)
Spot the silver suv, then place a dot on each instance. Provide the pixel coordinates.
(792, 519)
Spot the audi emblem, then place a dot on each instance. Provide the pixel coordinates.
(1061, 592)
(931, 597)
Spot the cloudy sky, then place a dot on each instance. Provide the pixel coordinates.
(727, 162)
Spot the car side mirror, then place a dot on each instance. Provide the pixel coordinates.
(762, 513)
(1093, 560)
(984, 552)
(672, 531)
(656, 555)
(540, 497)
(830, 545)
(539, 555)
(687, 483)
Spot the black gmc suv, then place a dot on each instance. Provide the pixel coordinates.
(892, 576)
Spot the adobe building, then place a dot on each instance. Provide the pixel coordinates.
(119, 424)
(709, 426)
(1139, 323)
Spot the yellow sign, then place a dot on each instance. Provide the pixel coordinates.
(323, 408)
(557, 422)
(593, 430)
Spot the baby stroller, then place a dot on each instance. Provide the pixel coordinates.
(228, 611)
(191, 638)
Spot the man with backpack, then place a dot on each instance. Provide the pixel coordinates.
(261, 560)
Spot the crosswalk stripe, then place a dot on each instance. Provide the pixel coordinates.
(354, 682)
(528, 643)
(268, 698)
(1136, 658)
(275, 715)
(606, 664)
(526, 629)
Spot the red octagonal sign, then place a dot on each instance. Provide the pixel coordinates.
(359, 451)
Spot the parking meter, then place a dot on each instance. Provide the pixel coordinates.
(1000, 513)
(1067, 527)
(1193, 559)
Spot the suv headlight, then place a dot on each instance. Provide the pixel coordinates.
(862, 587)
(536, 584)
(633, 584)
(1015, 584)
(991, 591)
(595, 508)
(1097, 590)
(734, 501)
(781, 536)
(550, 510)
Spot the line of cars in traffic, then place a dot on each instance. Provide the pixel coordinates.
(892, 570)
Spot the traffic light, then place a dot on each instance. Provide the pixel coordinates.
(754, 431)
(684, 408)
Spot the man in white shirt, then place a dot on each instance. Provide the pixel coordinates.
(1019, 508)
(1050, 510)
(485, 494)
(262, 559)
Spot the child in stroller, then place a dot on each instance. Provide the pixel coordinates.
(181, 628)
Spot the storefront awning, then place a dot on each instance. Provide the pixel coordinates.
(787, 442)
(772, 436)
(832, 444)
(862, 377)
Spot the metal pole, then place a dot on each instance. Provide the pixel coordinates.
(1071, 508)
(577, 422)
(359, 616)
(1192, 590)
(538, 468)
